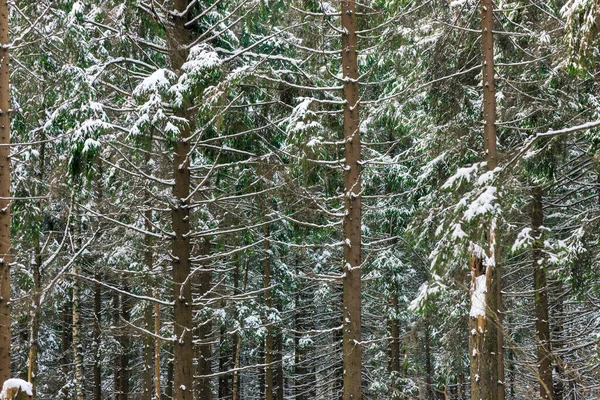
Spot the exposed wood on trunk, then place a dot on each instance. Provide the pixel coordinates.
(351, 347)
(485, 336)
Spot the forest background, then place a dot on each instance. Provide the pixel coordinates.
(263, 199)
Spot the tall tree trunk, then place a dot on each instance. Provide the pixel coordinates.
(66, 334)
(97, 370)
(224, 356)
(542, 326)
(352, 350)
(278, 379)
(204, 331)
(177, 39)
(235, 390)
(485, 347)
(269, 394)
(116, 358)
(394, 349)
(97, 339)
(32, 369)
(157, 393)
(558, 341)
(77, 344)
(149, 317)
(428, 366)
(125, 341)
(148, 357)
(4, 197)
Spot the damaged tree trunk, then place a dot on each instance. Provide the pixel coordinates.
(485, 325)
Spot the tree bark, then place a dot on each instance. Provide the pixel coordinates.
(124, 339)
(177, 39)
(351, 348)
(77, 345)
(97, 339)
(428, 366)
(394, 347)
(485, 343)
(4, 196)
(542, 325)
(204, 333)
(269, 394)
(32, 369)
(97, 332)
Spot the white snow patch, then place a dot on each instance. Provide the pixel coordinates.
(13, 384)
(483, 204)
(201, 58)
(478, 297)
(158, 81)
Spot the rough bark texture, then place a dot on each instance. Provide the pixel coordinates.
(351, 348)
(542, 326)
(177, 38)
(4, 197)
(485, 341)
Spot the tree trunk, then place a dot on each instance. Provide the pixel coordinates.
(125, 340)
(278, 378)
(4, 197)
(149, 317)
(485, 345)
(235, 391)
(157, 393)
(428, 366)
(269, 394)
(77, 345)
(542, 325)
(32, 369)
(351, 348)
(558, 341)
(148, 367)
(204, 333)
(116, 358)
(177, 39)
(97, 341)
(66, 334)
(394, 349)
(97, 369)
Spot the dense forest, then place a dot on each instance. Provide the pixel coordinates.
(300, 199)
